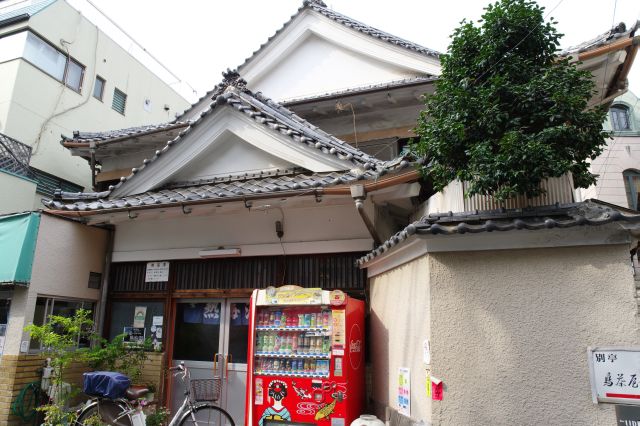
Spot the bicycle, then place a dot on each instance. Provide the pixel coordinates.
(197, 409)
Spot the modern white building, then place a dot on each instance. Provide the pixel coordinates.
(58, 72)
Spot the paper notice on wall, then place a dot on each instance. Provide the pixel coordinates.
(139, 315)
(157, 320)
(426, 352)
(404, 391)
(157, 272)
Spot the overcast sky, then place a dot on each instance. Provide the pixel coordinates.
(198, 39)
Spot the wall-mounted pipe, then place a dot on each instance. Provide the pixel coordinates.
(359, 195)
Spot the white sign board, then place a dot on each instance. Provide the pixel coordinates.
(157, 272)
(615, 374)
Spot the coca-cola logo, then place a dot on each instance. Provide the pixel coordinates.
(355, 346)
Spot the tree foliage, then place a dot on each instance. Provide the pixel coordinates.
(507, 112)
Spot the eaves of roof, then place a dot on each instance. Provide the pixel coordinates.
(372, 88)
(232, 92)
(245, 187)
(86, 139)
(587, 213)
(320, 7)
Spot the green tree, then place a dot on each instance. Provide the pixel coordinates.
(507, 112)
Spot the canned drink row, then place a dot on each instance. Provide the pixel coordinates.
(292, 317)
(292, 366)
(291, 343)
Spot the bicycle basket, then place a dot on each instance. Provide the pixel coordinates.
(206, 389)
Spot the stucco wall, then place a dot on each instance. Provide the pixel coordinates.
(399, 324)
(16, 193)
(510, 331)
(66, 252)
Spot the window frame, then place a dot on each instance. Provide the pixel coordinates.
(632, 191)
(104, 84)
(48, 311)
(617, 110)
(67, 58)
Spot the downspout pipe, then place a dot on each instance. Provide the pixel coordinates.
(359, 195)
(92, 150)
(105, 281)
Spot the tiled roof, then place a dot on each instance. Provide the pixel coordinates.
(320, 7)
(217, 189)
(232, 92)
(363, 89)
(590, 213)
(9, 14)
(619, 31)
(87, 137)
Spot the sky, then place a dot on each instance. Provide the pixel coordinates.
(198, 39)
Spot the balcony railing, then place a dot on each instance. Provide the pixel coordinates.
(15, 156)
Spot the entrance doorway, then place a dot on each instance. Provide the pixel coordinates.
(210, 337)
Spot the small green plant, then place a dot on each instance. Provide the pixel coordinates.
(94, 420)
(158, 418)
(117, 355)
(59, 337)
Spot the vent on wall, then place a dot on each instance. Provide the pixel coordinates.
(95, 280)
(119, 101)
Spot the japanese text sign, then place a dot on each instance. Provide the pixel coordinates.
(615, 374)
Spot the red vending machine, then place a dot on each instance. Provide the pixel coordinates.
(306, 357)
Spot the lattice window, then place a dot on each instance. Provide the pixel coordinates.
(15, 156)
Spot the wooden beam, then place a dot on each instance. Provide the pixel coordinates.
(112, 175)
(399, 132)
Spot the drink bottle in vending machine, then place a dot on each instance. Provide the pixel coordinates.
(306, 360)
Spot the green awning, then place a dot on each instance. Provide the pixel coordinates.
(18, 235)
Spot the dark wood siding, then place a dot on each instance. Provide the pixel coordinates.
(327, 271)
(129, 277)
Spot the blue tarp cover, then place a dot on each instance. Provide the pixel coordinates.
(106, 384)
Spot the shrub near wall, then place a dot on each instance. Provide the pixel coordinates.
(17, 371)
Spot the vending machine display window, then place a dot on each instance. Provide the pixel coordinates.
(306, 364)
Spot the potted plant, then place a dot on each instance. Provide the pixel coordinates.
(151, 395)
(158, 418)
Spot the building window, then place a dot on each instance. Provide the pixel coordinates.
(55, 63)
(631, 184)
(47, 306)
(119, 101)
(122, 315)
(620, 119)
(98, 88)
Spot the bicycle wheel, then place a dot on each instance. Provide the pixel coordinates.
(206, 414)
(104, 412)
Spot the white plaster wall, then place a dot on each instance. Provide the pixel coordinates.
(16, 193)
(510, 331)
(8, 72)
(65, 253)
(398, 325)
(231, 155)
(307, 224)
(41, 108)
(621, 153)
(320, 67)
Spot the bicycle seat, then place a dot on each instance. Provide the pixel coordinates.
(136, 392)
